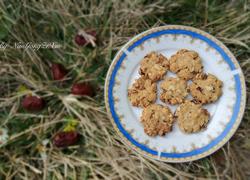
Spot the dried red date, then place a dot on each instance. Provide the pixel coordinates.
(58, 71)
(83, 40)
(82, 89)
(65, 139)
(33, 103)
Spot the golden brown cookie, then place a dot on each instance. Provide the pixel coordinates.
(143, 92)
(174, 90)
(206, 88)
(154, 66)
(186, 64)
(191, 117)
(157, 120)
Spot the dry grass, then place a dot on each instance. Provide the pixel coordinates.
(100, 154)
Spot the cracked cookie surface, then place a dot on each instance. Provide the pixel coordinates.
(174, 90)
(206, 88)
(142, 93)
(157, 120)
(186, 64)
(154, 66)
(191, 117)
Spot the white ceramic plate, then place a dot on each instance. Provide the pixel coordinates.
(176, 146)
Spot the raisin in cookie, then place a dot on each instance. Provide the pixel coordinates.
(174, 90)
(186, 64)
(205, 88)
(191, 117)
(157, 120)
(143, 92)
(154, 66)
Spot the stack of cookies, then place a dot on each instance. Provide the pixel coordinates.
(190, 115)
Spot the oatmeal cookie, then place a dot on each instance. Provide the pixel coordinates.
(157, 120)
(174, 90)
(191, 117)
(206, 88)
(154, 66)
(186, 64)
(143, 92)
